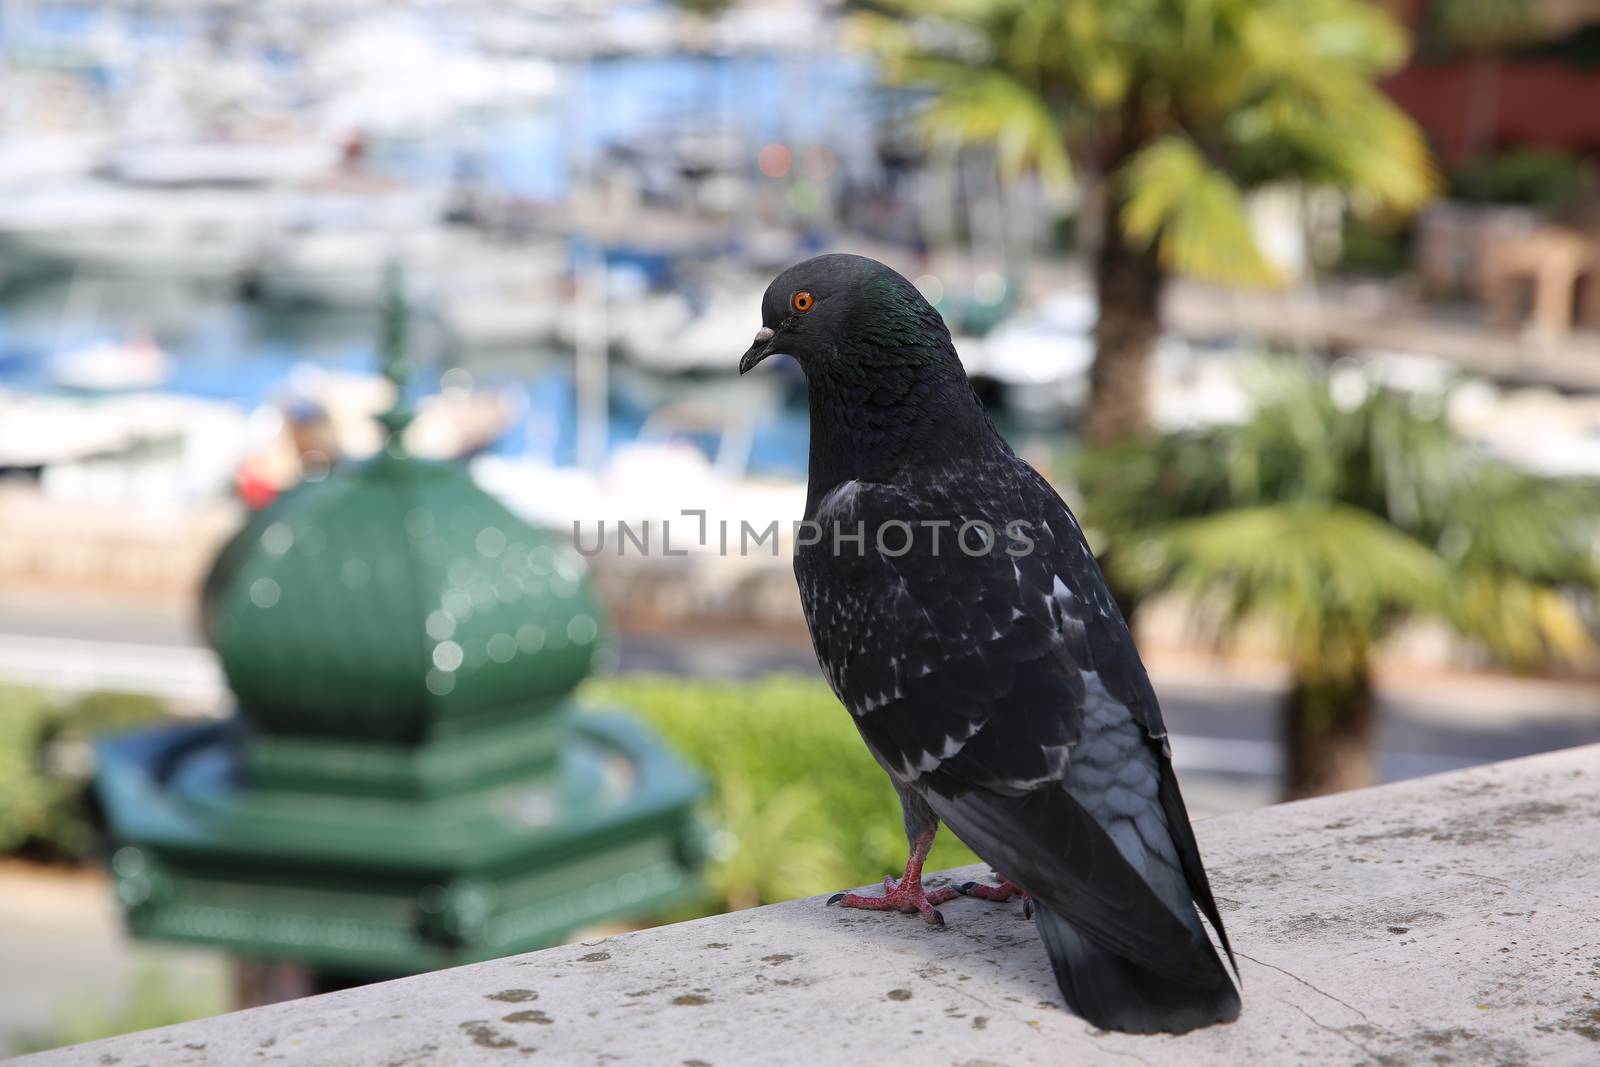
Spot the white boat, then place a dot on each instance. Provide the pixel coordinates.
(339, 268)
(393, 75)
(245, 162)
(1041, 357)
(38, 157)
(662, 332)
(499, 320)
(137, 449)
(110, 366)
(503, 296)
(103, 227)
(334, 240)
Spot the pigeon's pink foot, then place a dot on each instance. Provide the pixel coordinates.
(1002, 892)
(906, 894)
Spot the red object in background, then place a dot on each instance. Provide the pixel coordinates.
(1538, 103)
(253, 489)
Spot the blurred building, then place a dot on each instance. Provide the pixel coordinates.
(1508, 93)
(1495, 74)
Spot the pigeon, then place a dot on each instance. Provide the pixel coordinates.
(959, 616)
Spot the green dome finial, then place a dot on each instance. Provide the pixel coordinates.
(394, 352)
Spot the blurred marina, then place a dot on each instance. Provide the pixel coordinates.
(199, 203)
(200, 200)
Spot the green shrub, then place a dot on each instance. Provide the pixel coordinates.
(155, 998)
(1374, 246)
(1531, 176)
(799, 806)
(45, 764)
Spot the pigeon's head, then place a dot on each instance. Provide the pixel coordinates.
(842, 314)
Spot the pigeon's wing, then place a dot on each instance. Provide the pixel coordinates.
(1001, 682)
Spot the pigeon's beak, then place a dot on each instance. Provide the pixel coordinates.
(759, 349)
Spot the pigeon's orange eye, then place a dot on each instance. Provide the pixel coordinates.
(802, 301)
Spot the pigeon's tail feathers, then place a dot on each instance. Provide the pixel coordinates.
(1114, 993)
(1051, 845)
(1194, 872)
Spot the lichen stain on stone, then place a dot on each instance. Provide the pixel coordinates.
(1532, 813)
(1585, 1022)
(1420, 918)
(1403, 833)
(1450, 1045)
(1262, 875)
(1442, 1038)
(1468, 836)
(899, 994)
(421, 1054)
(486, 1036)
(594, 957)
(1480, 787)
(690, 1000)
(514, 996)
(527, 1017)
(1309, 926)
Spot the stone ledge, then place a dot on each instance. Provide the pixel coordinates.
(1453, 919)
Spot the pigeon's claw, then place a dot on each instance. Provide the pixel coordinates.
(1002, 892)
(905, 895)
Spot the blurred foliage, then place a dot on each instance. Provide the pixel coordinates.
(45, 764)
(1336, 511)
(705, 8)
(798, 805)
(1322, 468)
(1374, 246)
(1478, 25)
(1532, 177)
(1184, 104)
(155, 1000)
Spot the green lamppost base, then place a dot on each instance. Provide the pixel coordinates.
(380, 886)
(404, 785)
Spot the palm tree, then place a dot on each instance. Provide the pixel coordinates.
(1176, 109)
(1329, 524)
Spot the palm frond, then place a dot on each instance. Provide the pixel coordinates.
(1517, 550)
(1329, 578)
(993, 108)
(1195, 212)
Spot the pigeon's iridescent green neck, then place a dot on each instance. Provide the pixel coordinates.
(892, 397)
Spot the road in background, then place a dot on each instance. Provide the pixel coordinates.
(1223, 719)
